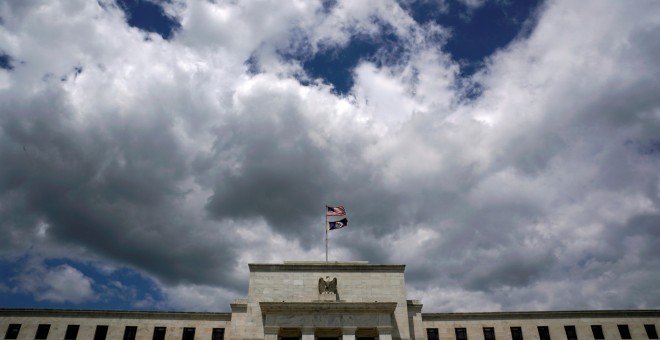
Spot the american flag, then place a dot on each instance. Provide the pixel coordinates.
(335, 211)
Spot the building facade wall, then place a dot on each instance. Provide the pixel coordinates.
(59, 320)
(474, 323)
(370, 304)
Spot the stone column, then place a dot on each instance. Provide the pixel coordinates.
(270, 332)
(307, 333)
(384, 332)
(348, 333)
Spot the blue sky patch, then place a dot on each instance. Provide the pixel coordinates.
(335, 65)
(328, 5)
(476, 33)
(121, 289)
(6, 62)
(149, 17)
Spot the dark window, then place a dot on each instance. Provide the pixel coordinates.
(598, 332)
(188, 333)
(489, 333)
(432, 334)
(12, 331)
(516, 333)
(544, 333)
(130, 332)
(571, 334)
(218, 334)
(101, 332)
(159, 333)
(71, 332)
(650, 331)
(624, 331)
(42, 331)
(461, 334)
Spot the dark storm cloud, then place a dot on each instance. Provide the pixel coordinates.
(488, 248)
(639, 235)
(116, 190)
(274, 166)
(280, 174)
(511, 268)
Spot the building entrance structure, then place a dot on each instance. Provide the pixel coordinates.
(324, 301)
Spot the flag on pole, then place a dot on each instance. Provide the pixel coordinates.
(338, 224)
(335, 211)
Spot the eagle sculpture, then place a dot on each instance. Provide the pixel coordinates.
(327, 286)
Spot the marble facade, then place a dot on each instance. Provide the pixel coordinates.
(368, 302)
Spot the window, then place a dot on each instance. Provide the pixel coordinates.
(461, 334)
(71, 332)
(544, 333)
(218, 334)
(129, 332)
(598, 332)
(489, 333)
(101, 332)
(571, 334)
(650, 331)
(516, 333)
(432, 334)
(188, 333)
(159, 333)
(42, 331)
(624, 331)
(12, 331)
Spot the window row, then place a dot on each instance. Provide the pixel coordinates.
(544, 332)
(101, 331)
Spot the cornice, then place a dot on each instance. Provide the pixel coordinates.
(118, 314)
(326, 267)
(541, 315)
(327, 307)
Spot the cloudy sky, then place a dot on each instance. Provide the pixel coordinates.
(508, 152)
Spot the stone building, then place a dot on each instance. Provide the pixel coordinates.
(328, 301)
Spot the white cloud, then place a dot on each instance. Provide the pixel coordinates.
(198, 297)
(436, 299)
(59, 284)
(168, 157)
(473, 4)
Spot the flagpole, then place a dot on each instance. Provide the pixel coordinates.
(325, 226)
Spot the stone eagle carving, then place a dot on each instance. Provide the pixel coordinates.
(327, 286)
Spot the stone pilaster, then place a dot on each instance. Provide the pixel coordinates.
(270, 332)
(348, 333)
(308, 333)
(384, 332)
